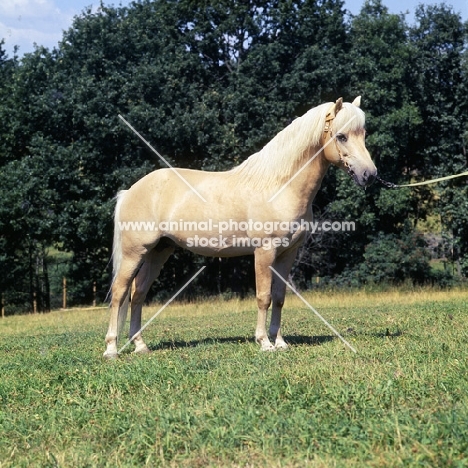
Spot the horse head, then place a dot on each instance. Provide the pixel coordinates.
(344, 141)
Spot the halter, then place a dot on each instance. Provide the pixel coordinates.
(331, 114)
(329, 119)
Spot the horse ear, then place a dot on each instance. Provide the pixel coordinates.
(338, 105)
(357, 101)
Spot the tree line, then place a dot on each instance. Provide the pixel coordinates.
(209, 83)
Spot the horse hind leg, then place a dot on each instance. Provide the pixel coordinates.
(119, 302)
(145, 277)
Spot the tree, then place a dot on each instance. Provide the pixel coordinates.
(379, 68)
(25, 218)
(209, 83)
(187, 75)
(414, 94)
(439, 42)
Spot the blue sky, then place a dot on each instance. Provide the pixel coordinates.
(25, 22)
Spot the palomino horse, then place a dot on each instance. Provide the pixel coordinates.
(263, 206)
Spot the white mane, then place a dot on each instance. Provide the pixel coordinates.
(280, 159)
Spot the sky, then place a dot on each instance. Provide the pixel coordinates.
(25, 22)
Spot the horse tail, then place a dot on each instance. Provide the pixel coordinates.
(117, 260)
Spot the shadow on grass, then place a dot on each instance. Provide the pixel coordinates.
(291, 340)
(388, 334)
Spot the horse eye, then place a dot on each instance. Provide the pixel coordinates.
(341, 138)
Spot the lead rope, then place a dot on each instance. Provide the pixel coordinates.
(426, 182)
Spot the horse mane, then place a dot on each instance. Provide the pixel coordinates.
(282, 157)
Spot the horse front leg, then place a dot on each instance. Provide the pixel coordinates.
(263, 279)
(282, 266)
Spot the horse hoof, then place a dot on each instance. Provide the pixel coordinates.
(142, 350)
(109, 356)
(267, 348)
(282, 346)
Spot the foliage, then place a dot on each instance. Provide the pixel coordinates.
(389, 258)
(209, 83)
(413, 83)
(439, 41)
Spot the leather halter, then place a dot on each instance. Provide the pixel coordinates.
(328, 134)
(329, 119)
(327, 130)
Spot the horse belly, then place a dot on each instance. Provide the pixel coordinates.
(216, 245)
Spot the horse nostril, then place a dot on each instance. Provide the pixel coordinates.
(369, 179)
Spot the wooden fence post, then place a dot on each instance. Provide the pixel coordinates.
(64, 293)
(94, 293)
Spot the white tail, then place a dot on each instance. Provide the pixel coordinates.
(117, 259)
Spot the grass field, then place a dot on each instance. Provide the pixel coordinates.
(206, 396)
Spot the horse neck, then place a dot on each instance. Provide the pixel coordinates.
(309, 180)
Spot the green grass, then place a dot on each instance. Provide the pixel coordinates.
(207, 396)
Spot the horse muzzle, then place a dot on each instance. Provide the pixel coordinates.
(368, 178)
(362, 177)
